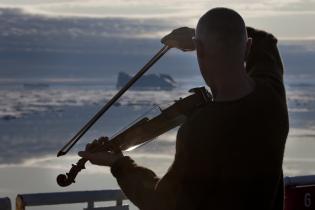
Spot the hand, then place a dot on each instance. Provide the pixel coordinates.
(180, 38)
(99, 152)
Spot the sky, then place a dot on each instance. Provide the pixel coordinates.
(287, 19)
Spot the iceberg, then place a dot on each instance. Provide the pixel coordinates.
(147, 82)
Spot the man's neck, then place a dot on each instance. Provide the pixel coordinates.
(232, 88)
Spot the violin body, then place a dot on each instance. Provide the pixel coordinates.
(170, 117)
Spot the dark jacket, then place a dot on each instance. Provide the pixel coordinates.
(228, 154)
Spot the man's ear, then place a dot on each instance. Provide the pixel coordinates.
(199, 48)
(248, 47)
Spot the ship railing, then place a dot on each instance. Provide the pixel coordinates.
(89, 197)
(299, 180)
(300, 191)
(5, 203)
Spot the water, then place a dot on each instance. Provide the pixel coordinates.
(38, 121)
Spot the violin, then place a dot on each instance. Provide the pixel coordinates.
(147, 129)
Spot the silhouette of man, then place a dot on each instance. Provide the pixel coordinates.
(229, 153)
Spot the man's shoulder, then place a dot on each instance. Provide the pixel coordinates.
(270, 90)
(270, 84)
(264, 97)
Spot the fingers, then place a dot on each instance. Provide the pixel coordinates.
(97, 144)
(90, 146)
(103, 140)
(116, 149)
(84, 154)
(94, 158)
(101, 158)
(180, 38)
(99, 150)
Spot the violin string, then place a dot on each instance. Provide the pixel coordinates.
(154, 107)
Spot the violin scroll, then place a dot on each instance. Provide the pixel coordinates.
(67, 179)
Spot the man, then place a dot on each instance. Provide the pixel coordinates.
(229, 153)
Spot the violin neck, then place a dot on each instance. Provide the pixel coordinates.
(147, 129)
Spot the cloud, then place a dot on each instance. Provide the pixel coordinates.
(159, 8)
(278, 16)
(16, 23)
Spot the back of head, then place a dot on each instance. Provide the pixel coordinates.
(222, 32)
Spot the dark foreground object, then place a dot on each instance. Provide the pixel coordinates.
(300, 193)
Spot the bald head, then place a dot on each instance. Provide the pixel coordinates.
(222, 46)
(222, 31)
